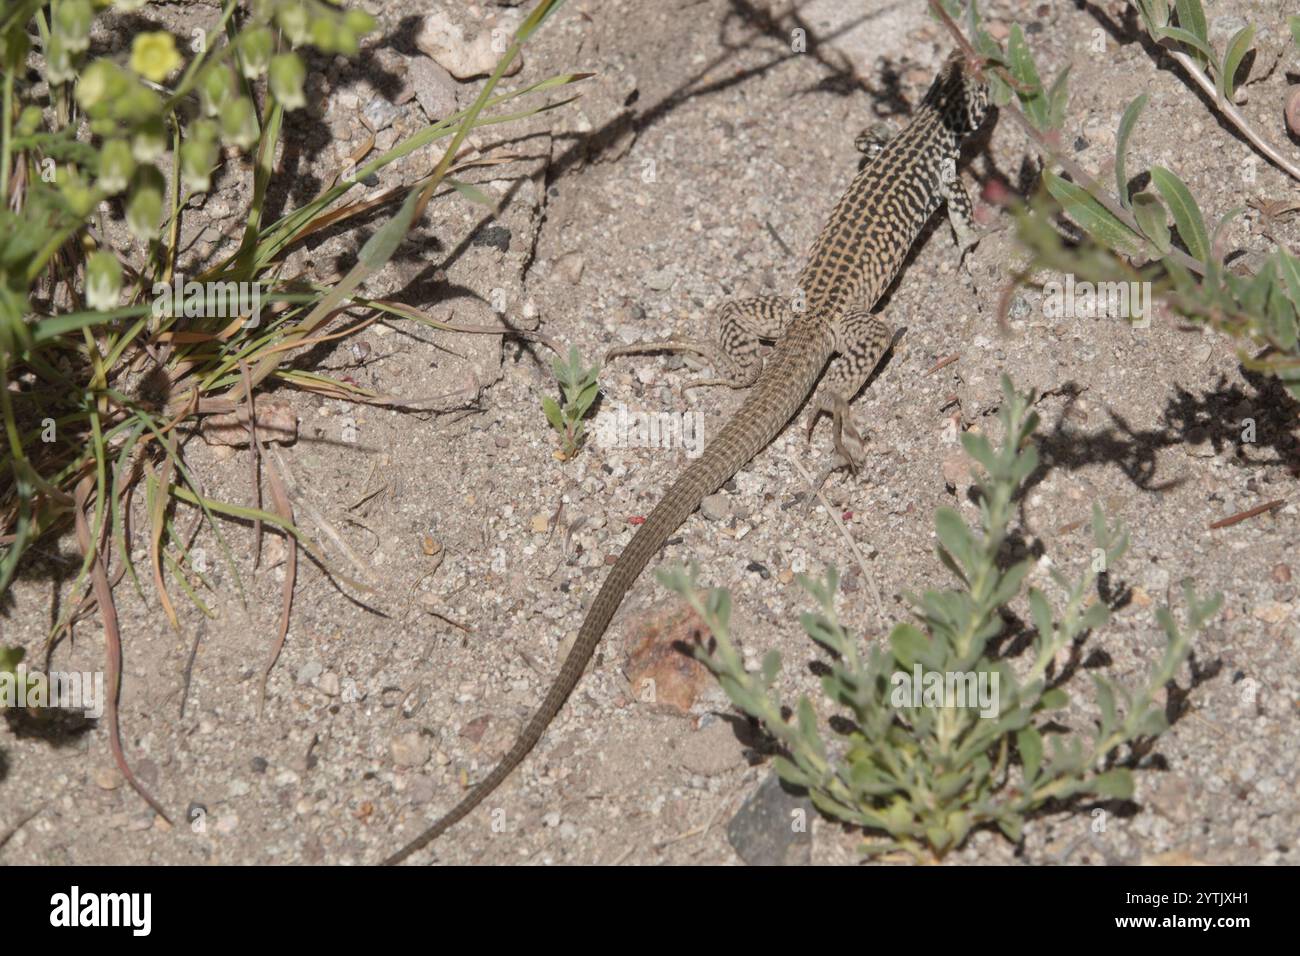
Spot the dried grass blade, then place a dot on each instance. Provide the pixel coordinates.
(103, 592)
(284, 508)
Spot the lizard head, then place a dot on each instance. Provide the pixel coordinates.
(960, 96)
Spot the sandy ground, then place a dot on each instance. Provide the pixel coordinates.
(702, 154)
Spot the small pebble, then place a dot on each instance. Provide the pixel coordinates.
(310, 671)
(410, 749)
(107, 778)
(715, 507)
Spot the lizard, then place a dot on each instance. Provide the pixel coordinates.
(827, 327)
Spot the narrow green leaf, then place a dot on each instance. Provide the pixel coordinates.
(1096, 616)
(1152, 218)
(1041, 611)
(954, 535)
(1092, 216)
(472, 193)
(1030, 744)
(1150, 19)
(1289, 269)
(1202, 49)
(1191, 17)
(1054, 699)
(1058, 99)
(586, 396)
(1153, 723)
(553, 415)
(1116, 784)
(1187, 215)
(1024, 70)
(1009, 583)
(718, 605)
(908, 644)
(1126, 124)
(807, 722)
(978, 447)
(1106, 703)
(1237, 49)
(536, 19)
(1281, 318)
(1255, 297)
(1282, 301)
(1100, 534)
(1167, 622)
(771, 666)
(788, 772)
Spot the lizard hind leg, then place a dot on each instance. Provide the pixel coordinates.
(735, 356)
(860, 339)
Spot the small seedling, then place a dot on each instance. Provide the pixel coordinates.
(10, 658)
(579, 386)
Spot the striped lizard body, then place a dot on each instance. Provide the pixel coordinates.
(853, 262)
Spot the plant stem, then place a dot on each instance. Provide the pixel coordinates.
(6, 133)
(1234, 115)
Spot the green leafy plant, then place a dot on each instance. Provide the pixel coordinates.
(98, 374)
(10, 658)
(579, 387)
(1126, 237)
(922, 772)
(95, 379)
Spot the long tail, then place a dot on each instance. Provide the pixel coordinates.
(770, 405)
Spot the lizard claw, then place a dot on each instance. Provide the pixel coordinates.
(850, 446)
(820, 406)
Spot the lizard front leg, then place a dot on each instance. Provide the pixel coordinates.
(860, 339)
(735, 355)
(961, 214)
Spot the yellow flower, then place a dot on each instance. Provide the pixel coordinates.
(154, 56)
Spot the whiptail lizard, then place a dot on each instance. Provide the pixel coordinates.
(852, 264)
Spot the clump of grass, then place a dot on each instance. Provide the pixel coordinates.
(906, 760)
(97, 383)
